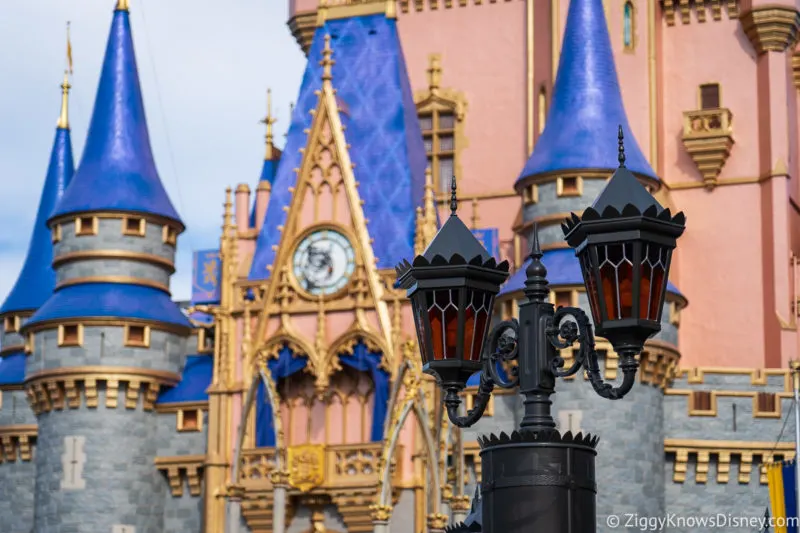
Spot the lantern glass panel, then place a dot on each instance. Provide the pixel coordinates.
(422, 324)
(655, 260)
(476, 320)
(443, 315)
(591, 285)
(616, 277)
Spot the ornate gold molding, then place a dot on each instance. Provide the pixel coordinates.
(652, 185)
(355, 506)
(303, 25)
(341, 9)
(114, 254)
(771, 28)
(700, 7)
(118, 215)
(433, 5)
(17, 442)
(175, 407)
(107, 322)
(722, 451)
(49, 390)
(181, 470)
(708, 137)
(114, 279)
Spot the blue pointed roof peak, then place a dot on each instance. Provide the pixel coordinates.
(587, 108)
(37, 278)
(117, 171)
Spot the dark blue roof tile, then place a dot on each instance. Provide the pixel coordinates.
(12, 369)
(195, 379)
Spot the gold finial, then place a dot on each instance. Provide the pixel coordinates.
(63, 117)
(69, 50)
(269, 120)
(228, 215)
(426, 215)
(122, 5)
(327, 63)
(434, 72)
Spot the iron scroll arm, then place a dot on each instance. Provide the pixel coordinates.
(564, 333)
(500, 348)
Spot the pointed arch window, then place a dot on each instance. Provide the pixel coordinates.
(628, 26)
(441, 119)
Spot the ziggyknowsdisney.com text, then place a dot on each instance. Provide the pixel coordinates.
(672, 520)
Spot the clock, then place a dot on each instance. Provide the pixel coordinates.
(323, 262)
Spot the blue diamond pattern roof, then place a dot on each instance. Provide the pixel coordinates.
(37, 279)
(111, 300)
(12, 369)
(581, 127)
(117, 171)
(371, 81)
(563, 268)
(195, 379)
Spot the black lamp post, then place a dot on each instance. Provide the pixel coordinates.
(537, 479)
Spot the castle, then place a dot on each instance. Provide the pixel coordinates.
(287, 395)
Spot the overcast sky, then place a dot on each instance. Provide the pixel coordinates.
(204, 66)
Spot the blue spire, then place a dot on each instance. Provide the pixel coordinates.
(117, 171)
(37, 279)
(581, 128)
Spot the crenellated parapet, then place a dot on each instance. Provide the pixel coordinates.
(17, 443)
(92, 387)
(771, 28)
(700, 10)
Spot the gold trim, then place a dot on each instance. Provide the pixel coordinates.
(158, 220)
(62, 335)
(86, 226)
(651, 184)
(652, 74)
(201, 342)
(163, 376)
(342, 9)
(139, 231)
(16, 441)
(542, 104)
(577, 191)
(555, 33)
(444, 199)
(11, 324)
(169, 235)
(113, 279)
(144, 343)
(771, 28)
(529, 44)
(180, 421)
(178, 406)
(123, 255)
(530, 195)
(106, 322)
(723, 450)
(183, 469)
(55, 234)
(29, 343)
(302, 25)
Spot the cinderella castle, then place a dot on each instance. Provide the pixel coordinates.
(287, 396)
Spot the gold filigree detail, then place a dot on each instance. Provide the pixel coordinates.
(306, 466)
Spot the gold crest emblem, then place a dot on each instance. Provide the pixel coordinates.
(306, 466)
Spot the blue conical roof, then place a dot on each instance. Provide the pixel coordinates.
(586, 111)
(37, 279)
(117, 171)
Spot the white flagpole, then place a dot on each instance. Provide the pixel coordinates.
(795, 367)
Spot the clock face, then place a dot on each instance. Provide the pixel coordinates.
(324, 262)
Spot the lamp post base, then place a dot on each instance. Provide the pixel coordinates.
(538, 481)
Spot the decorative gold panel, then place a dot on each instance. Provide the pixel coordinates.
(306, 466)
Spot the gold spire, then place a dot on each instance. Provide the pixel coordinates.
(434, 72)
(63, 117)
(426, 216)
(122, 5)
(269, 120)
(327, 63)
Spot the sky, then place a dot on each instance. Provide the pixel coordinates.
(204, 70)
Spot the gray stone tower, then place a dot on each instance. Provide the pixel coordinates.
(571, 162)
(109, 338)
(33, 287)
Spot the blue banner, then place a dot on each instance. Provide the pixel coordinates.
(205, 277)
(490, 239)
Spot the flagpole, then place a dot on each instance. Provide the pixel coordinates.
(795, 368)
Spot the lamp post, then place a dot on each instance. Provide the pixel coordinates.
(537, 479)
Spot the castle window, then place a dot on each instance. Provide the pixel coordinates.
(569, 186)
(562, 299)
(701, 402)
(70, 335)
(137, 336)
(509, 310)
(441, 115)
(204, 341)
(29, 344)
(85, 226)
(134, 226)
(530, 194)
(55, 233)
(628, 26)
(11, 324)
(709, 96)
(542, 105)
(766, 404)
(190, 420)
(169, 235)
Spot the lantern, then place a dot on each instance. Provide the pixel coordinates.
(452, 286)
(624, 243)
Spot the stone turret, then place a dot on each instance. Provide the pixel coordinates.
(110, 337)
(33, 287)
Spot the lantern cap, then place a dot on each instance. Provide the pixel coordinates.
(624, 197)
